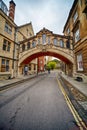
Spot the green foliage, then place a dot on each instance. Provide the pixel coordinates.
(51, 65)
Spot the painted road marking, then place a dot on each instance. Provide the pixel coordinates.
(76, 116)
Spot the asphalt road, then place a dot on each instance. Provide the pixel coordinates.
(37, 104)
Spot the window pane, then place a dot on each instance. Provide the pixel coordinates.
(55, 42)
(33, 44)
(61, 43)
(48, 40)
(23, 47)
(79, 62)
(68, 44)
(28, 45)
(7, 62)
(44, 39)
(38, 40)
(8, 48)
(75, 17)
(77, 35)
(3, 61)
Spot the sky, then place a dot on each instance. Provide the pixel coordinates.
(51, 14)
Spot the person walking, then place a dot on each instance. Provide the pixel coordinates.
(25, 70)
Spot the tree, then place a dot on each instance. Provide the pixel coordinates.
(51, 65)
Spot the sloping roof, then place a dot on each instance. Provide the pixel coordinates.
(24, 25)
(70, 13)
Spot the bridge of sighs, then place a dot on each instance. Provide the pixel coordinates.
(46, 43)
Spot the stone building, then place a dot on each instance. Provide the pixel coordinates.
(8, 46)
(76, 26)
(41, 63)
(10, 37)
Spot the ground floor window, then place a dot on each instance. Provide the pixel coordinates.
(79, 62)
(5, 65)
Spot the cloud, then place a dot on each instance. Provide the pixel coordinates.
(51, 14)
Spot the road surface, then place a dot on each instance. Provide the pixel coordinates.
(37, 104)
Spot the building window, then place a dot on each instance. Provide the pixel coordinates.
(44, 39)
(80, 2)
(33, 44)
(5, 65)
(77, 35)
(28, 45)
(55, 42)
(61, 43)
(75, 16)
(68, 31)
(68, 44)
(8, 28)
(79, 62)
(3, 7)
(85, 1)
(6, 45)
(23, 47)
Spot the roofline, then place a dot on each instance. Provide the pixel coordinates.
(24, 25)
(55, 35)
(70, 13)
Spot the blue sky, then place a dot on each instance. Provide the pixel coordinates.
(51, 14)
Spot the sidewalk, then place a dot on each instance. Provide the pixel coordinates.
(5, 83)
(81, 86)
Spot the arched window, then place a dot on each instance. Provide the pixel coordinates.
(48, 40)
(61, 43)
(38, 40)
(55, 42)
(33, 44)
(68, 44)
(23, 47)
(44, 39)
(28, 45)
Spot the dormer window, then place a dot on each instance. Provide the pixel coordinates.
(3, 7)
(68, 31)
(77, 35)
(75, 17)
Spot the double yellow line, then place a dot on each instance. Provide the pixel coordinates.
(77, 118)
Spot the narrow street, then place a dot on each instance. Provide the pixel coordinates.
(37, 104)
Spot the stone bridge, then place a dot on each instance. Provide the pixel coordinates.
(46, 43)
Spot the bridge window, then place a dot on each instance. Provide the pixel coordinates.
(33, 44)
(61, 43)
(68, 44)
(44, 39)
(38, 40)
(55, 42)
(48, 40)
(23, 47)
(28, 45)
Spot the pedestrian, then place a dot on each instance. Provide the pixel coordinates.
(48, 70)
(25, 70)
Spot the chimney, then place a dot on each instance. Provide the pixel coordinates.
(12, 9)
